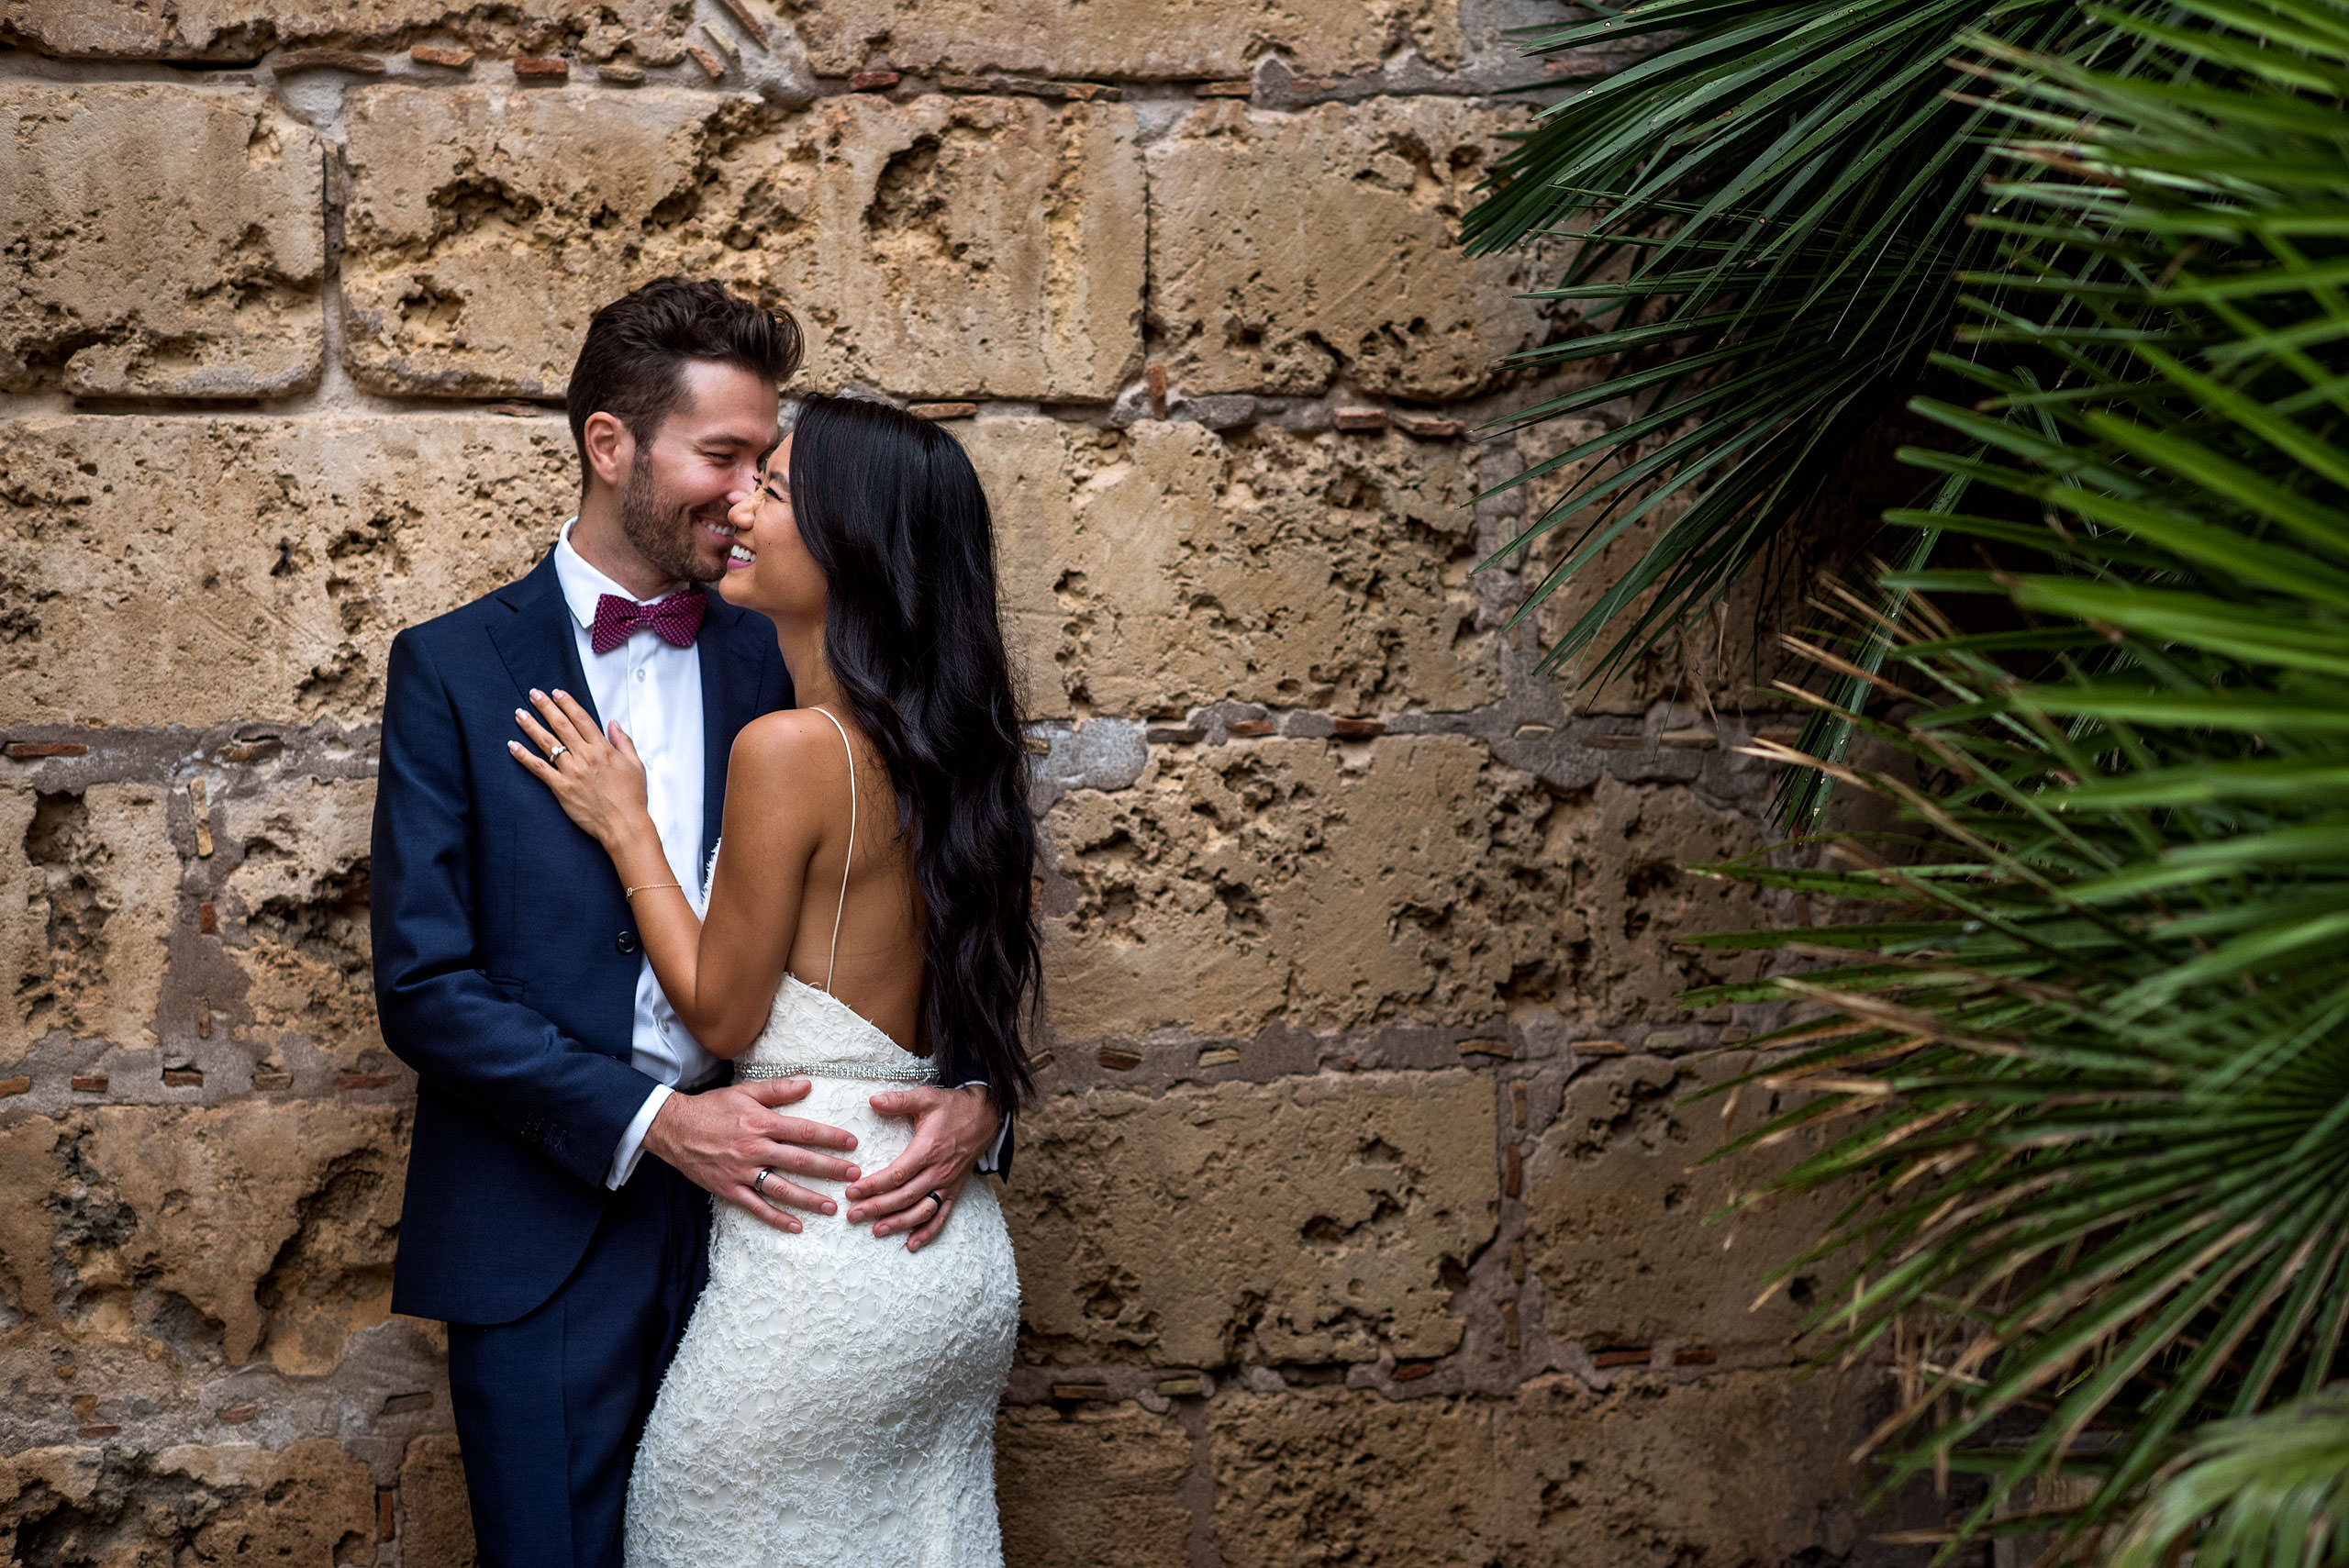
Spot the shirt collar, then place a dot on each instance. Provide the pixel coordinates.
(583, 585)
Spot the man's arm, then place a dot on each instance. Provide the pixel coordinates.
(440, 1013)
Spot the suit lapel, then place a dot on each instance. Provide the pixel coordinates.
(538, 642)
(730, 653)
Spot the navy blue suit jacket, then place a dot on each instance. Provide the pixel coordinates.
(506, 957)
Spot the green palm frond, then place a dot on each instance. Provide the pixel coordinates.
(2270, 1489)
(1770, 210)
(2090, 1083)
(1778, 210)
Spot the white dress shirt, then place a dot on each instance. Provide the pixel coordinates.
(652, 690)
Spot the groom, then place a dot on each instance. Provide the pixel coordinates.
(508, 973)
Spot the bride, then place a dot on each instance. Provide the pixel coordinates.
(868, 925)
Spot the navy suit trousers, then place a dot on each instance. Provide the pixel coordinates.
(549, 1406)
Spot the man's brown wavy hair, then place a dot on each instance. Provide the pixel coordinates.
(632, 365)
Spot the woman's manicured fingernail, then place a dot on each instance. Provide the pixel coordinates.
(537, 695)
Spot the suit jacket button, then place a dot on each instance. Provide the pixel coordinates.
(625, 941)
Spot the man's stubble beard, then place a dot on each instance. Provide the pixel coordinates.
(660, 530)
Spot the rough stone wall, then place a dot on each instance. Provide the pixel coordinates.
(1356, 1222)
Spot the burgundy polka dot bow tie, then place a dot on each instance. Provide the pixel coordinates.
(676, 618)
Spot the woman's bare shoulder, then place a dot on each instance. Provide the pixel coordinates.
(785, 772)
(789, 741)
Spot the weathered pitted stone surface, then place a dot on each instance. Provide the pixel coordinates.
(312, 1502)
(98, 877)
(161, 241)
(436, 1520)
(1616, 1213)
(1165, 567)
(221, 1207)
(1361, 1196)
(309, 1503)
(1619, 850)
(1718, 653)
(246, 29)
(176, 571)
(1092, 1486)
(1291, 251)
(24, 918)
(1741, 1468)
(1123, 37)
(32, 1174)
(40, 1481)
(480, 242)
(300, 893)
(1331, 884)
(1332, 1476)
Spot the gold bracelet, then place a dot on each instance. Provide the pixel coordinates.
(646, 887)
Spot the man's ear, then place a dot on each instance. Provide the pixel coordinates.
(611, 450)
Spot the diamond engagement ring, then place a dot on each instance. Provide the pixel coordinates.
(556, 755)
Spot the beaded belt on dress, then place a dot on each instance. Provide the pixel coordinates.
(915, 1072)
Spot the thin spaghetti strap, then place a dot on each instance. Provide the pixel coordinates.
(842, 908)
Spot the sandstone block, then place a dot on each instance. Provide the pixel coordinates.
(1618, 1214)
(1744, 1468)
(245, 29)
(99, 881)
(300, 890)
(24, 917)
(1289, 251)
(1717, 655)
(276, 1222)
(37, 1482)
(191, 572)
(1618, 849)
(436, 1513)
(1334, 885)
(1163, 567)
(32, 1175)
(1329, 1476)
(1092, 1486)
(164, 241)
(949, 246)
(1741, 1467)
(1123, 37)
(312, 1503)
(1361, 1196)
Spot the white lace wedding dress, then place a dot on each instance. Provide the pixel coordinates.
(832, 1404)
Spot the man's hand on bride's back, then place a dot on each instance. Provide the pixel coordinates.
(915, 1191)
(721, 1139)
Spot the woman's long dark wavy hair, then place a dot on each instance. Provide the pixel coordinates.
(891, 509)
